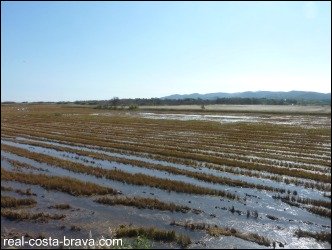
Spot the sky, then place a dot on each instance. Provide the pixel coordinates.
(67, 51)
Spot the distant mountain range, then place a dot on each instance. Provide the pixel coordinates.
(297, 95)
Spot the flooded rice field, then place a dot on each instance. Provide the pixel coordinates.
(275, 119)
(221, 180)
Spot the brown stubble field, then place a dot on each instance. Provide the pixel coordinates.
(245, 178)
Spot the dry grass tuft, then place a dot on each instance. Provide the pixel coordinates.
(153, 234)
(61, 206)
(8, 201)
(24, 215)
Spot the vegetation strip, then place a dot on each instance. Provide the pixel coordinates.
(235, 148)
(141, 202)
(118, 175)
(280, 136)
(218, 231)
(319, 236)
(194, 156)
(307, 201)
(18, 165)
(196, 175)
(180, 153)
(124, 131)
(320, 211)
(322, 208)
(63, 184)
(237, 171)
(227, 147)
(241, 153)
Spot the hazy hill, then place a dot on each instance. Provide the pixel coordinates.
(297, 95)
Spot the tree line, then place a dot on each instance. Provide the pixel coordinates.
(116, 102)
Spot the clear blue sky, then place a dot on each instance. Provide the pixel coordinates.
(97, 50)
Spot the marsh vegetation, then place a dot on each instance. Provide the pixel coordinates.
(173, 177)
